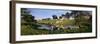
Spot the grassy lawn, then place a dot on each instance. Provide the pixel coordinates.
(59, 23)
(33, 30)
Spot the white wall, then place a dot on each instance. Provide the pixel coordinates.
(4, 22)
(89, 2)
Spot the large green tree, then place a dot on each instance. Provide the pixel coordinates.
(26, 16)
(84, 23)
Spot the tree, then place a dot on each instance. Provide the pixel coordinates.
(26, 16)
(84, 24)
(60, 17)
(74, 12)
(33, 18)
(24, 11)
(54, 17)
(67, 15)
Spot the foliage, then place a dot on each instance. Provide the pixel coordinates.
(54, 17)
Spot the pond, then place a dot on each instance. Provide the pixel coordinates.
(45, 27)
(51, 27)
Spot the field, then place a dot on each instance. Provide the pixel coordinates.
(31, 29)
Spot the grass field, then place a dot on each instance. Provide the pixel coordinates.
(33, 30)
(57, 22)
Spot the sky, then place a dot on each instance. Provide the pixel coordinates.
(46, 13)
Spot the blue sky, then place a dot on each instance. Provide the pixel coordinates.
(46, 13)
